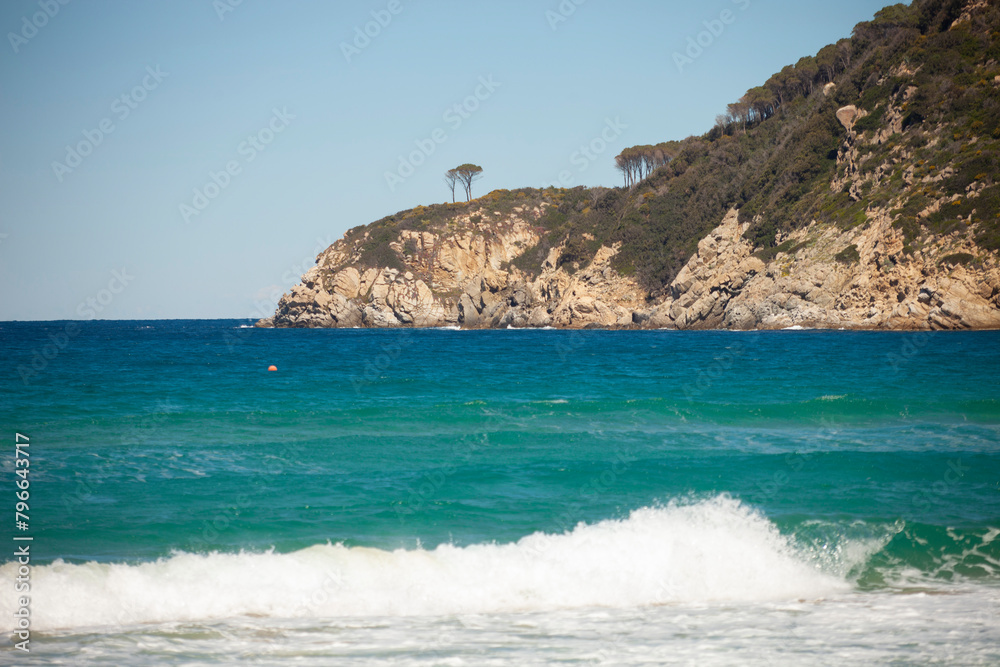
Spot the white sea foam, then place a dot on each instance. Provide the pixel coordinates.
(715, 550)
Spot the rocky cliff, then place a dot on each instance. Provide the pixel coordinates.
(461, 276)
(464, 278)
(725, 285)
(857, 189)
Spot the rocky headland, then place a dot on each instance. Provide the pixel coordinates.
(464, 278)
(857, 189)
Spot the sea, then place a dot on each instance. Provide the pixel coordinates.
(516, 497)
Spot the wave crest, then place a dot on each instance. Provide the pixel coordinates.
(710, 550)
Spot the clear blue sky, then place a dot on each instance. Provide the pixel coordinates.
(199, 81)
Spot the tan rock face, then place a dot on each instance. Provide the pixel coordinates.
(464, 278)
(718, 272)
(848, 116)
(414, 303)
(724, 286)
(347, 283)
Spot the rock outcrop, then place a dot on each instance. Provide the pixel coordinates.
(827, 278)
(462, 278)
(726, 286)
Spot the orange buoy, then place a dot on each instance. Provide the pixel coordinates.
(272, 368)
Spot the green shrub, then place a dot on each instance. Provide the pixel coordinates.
(874, 121)
(848, 255)
(578, 250)
(376, 252)
(789, 247)
(957, 258)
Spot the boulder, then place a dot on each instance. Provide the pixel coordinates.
(347, 283)
(468, 315)
(848, 116)
(539, 318)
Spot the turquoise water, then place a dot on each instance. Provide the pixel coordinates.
(504, 497)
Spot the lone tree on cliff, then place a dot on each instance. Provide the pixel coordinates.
(467, 175)
(451, 179)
